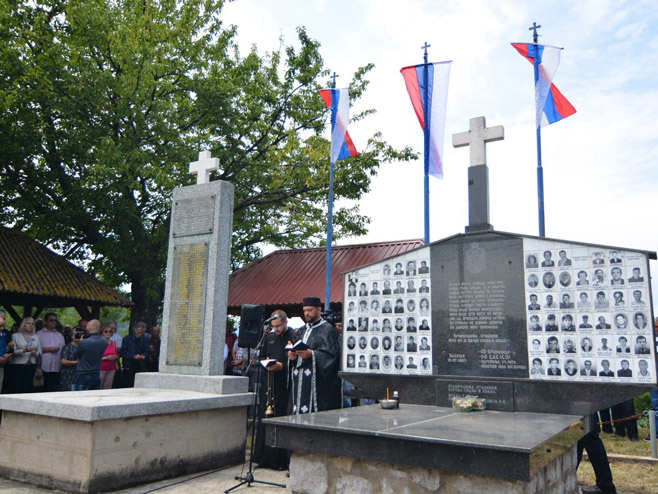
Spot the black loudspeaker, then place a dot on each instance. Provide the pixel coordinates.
(251, 325)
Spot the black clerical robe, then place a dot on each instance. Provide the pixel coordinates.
(315, 385)
(277, 383)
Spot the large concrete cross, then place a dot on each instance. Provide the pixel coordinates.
(477, 137)
(203, 167)
(478, 174)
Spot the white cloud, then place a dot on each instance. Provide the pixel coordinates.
(599, 165)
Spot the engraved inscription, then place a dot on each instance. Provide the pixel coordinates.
(188, 299)
(476, 325)
(193, 216)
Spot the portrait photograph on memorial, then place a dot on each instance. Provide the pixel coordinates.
(594, 303)
(397, 286)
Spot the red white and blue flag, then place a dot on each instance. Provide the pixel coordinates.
(437, 98)
(551, 105)
(338, 101)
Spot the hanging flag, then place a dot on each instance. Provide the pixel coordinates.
(338, 101)
(437, 98)
(550, 105)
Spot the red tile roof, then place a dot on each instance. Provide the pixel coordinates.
(284, 277)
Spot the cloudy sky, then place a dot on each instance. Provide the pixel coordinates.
(599, 165)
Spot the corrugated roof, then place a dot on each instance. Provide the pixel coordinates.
(285, 277)
(30, 272)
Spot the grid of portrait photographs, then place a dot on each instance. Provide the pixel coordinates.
(588, 313)
(388, 316)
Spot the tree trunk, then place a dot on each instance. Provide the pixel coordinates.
(147, 302)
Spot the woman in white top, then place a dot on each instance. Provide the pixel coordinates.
(26, 351)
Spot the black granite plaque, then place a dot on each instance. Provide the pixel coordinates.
(499, 395)
(480, 327)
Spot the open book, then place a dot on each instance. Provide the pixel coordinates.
(268, 362)
(300, 345)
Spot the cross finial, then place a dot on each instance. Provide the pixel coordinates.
(425, 47)
(333, 80)
(203, 167)
(477, 137)
(534, 28)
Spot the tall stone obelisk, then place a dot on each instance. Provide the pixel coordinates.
(198, 266)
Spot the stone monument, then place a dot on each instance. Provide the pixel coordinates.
(184, 419)
(475, 296)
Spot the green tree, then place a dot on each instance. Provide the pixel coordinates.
(103, 103)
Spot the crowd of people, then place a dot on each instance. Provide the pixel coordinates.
(42, 355)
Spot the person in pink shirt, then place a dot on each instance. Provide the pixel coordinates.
(109, 360)
(52, 343)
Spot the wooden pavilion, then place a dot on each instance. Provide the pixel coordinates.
(32, 278)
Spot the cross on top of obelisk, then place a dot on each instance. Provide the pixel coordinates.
(477, 137)
(203, 167)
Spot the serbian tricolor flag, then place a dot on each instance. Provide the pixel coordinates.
(551, 105)
(338, 101)
(437, 96)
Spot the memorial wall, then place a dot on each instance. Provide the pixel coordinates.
(503, 306)
(387, 316)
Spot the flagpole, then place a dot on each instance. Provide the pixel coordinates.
(426, 147)
(330, 221)
(540, 170)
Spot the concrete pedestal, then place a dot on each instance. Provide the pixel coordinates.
(94, 441)
(421, 449)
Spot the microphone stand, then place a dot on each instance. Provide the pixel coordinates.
(249, 477)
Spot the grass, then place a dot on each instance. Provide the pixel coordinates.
(639, 478)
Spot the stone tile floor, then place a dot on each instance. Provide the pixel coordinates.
(215, 482)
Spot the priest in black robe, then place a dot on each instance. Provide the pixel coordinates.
(273, 391)
(315, 385)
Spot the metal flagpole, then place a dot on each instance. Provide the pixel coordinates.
(426, 147)
(330, 219)
(540, 170)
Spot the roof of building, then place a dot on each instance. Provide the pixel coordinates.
(31, 274)
(284, 277)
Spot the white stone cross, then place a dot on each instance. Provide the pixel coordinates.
(203, 167)
(477, 137)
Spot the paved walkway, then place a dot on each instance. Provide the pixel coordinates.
(215, 481)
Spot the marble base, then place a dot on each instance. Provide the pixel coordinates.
(95, 441)
(508, 446)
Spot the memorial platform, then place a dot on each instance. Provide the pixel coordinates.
(93, 441)
(529, 451)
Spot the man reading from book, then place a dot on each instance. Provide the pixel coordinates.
(315, 385)
(274, 389)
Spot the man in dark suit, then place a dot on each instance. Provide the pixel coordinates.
(554, 369)
(602, 324)
(636, 278)
(547, 262)
(564, 260)
(625, 370)
(411, 345)
(566, 302)
(585, 324)
(587, 370)
(533, 303)
(424, 268)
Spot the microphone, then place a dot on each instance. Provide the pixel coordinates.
(272, 319)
